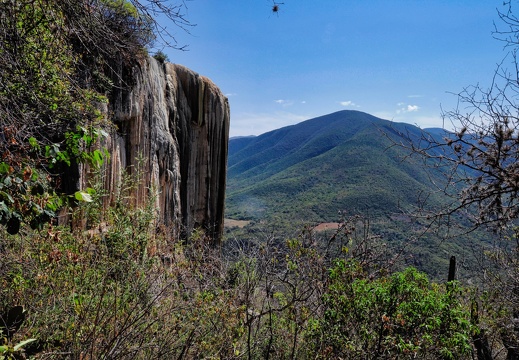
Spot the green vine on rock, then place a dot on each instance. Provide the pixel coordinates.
(50, 119)
(28, 185)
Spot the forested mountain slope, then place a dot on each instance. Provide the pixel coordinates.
(345, 161)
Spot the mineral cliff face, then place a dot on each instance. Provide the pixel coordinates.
(177, 123)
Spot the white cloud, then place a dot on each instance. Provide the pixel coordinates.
(230, 94)
(284, 102)
(348, 103)
(403, 108)
(414, 96)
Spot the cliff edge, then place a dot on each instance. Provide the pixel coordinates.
(173, 126)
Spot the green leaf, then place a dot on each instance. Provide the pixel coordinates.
(4, 168)
(23, 343)
(54, 203)
(8, 181)
(34, 143)
(6, 196)
(83, 196)
(97, 157)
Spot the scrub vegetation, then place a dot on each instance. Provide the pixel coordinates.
(124, 290)
(124, 287)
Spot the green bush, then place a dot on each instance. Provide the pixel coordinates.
(403, 315)
(161, 57)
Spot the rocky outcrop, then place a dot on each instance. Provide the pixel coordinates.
(172, 125)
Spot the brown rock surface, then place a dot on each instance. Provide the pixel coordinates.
(177, 123)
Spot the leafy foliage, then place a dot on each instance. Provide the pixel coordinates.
(27, 187)
(58, 64)
(401, 316)
(10, 322)
(125, 290)
(161, 57)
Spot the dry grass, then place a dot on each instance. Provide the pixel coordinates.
(326, 226)
(230, 223)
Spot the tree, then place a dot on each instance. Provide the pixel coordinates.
(481, 156)
(480, 163)
(401, 316)
(59, 61)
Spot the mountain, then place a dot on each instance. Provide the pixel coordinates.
(343, 161)
(333, 167)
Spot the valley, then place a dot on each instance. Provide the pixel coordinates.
(329, 169)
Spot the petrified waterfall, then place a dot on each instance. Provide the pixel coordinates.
(173, 125)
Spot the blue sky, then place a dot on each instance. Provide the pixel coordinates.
(400, 60)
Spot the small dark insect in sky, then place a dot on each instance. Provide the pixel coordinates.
(275, 7)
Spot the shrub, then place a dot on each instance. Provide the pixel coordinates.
(402, 315)
(161, 57)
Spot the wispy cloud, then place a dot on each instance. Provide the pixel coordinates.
(284, 102)
(348, 103)
(387, 115)
(414, 96)
(421, 121)
(231, 94)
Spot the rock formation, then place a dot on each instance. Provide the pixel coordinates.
(177, 123)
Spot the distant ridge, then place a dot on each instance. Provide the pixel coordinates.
(315, 173)
(343, 161)
(241, 137)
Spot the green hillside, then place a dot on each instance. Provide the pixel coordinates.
(339, 162)
(333, 167)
